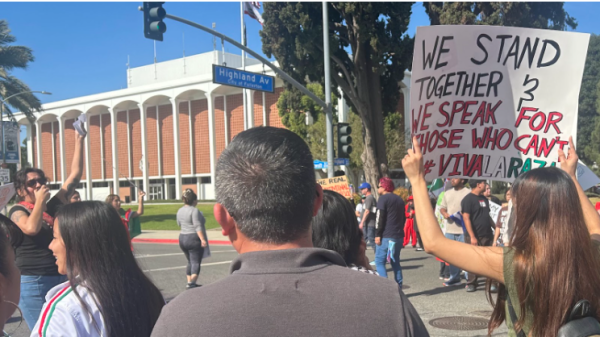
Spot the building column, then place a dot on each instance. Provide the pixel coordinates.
(115, 155)
(88, 163)
(38, 132)
(146, 181)
(211, 135)
(264, 108)
(192, 155)
(159, 144)
(63, 160)
(176, 147)
(250, 104)
(30, 143)
(226, 119)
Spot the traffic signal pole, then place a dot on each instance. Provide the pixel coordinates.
(329, 113)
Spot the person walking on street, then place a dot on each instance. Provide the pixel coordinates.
(367, 223)
(451, 204)
(34, 214)
(409, 227)
(390, 229)
(359, 210)
(475, 210)
(192, 239)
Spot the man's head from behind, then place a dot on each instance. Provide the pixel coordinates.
(477, 185)
(265, 185)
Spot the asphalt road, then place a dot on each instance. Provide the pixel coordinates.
(165, 265)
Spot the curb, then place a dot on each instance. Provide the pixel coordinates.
(176, 241)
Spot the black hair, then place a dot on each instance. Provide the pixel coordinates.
(10, 237)
(20, 180)
(99, 258)
(265, 179)
(474, 182)
(335, 227)
(189, 197)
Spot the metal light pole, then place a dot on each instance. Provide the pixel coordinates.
(329, 113)
(4, 101)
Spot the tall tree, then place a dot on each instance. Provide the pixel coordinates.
(369, 52)
(15, 57)
(544, 15)
(588, 123)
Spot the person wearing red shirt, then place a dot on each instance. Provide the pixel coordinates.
(409, 227)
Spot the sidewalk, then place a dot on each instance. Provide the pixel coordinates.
(214, 237)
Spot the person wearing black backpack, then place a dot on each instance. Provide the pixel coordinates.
(549, 274)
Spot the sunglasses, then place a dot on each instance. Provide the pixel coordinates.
(33, 182)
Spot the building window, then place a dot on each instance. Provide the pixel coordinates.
(124, 184)
(100, 184)
(156, 181)
(189, 181)
(53, 186)
(205, 180)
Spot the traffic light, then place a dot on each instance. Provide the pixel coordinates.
(154, 27)
(344, 140)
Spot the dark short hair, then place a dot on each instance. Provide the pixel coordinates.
(189, 196)
(474, 182)
(265, 179)
(335, 227)
(21, 177)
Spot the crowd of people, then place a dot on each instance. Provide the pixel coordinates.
(302, 267)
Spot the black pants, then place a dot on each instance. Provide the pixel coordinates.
(191, 246)
(485, 241)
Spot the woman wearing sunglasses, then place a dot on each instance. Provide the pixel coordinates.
(34, 214)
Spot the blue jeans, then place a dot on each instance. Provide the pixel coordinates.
(455, 271)
(369, 236)
(33, 295)
(381, 256)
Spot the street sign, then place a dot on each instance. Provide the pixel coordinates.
(4, 175)
(319, 165)
(341, 162)
(243, 79)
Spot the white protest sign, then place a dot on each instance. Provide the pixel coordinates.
(494, 211)
(585, 176)
(6, 193)
(494, 102)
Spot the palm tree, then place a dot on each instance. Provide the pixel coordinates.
(15, 57)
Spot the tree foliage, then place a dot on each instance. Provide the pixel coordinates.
(588, 123)
(369, 53)
(15, 57)
(543, 15)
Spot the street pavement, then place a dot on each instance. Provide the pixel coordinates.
(165, 265)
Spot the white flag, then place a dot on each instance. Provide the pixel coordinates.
(251, 8)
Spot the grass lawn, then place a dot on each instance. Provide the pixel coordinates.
(163, 217)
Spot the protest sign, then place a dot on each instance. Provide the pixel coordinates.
(494, 102)
(495, 211)
(6, 193)
(336, 184)
(585, 176)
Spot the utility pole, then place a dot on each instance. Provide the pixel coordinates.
(329, 113)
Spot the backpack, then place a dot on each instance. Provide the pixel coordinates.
(581, 321)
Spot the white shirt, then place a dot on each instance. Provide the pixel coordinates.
(359, 209)
(64, 316)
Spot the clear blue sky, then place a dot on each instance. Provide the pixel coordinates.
(82, 48)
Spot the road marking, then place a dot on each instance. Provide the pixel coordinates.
(183, 267)
(142, 256)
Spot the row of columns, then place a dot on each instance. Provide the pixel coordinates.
(114, 140)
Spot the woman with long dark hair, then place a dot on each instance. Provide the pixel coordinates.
(553, 260)
(107, 293)
(34, 214)
(335, 228)
(192, 239)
